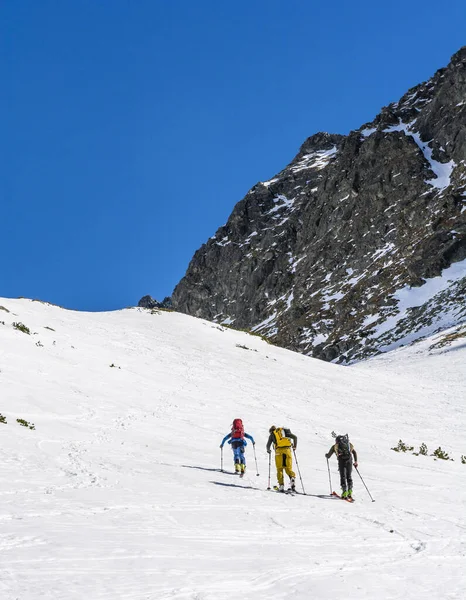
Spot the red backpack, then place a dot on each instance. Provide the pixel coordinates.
(237, 429)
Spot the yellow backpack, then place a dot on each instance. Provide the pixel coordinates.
(281, 439)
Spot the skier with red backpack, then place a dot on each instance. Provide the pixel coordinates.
(238, 443)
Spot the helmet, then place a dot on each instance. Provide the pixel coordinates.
(272, 428)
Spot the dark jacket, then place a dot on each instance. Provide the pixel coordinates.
(334, 450)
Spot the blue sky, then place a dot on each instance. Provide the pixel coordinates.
(131, 129)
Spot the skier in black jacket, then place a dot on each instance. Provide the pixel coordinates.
(343, 449)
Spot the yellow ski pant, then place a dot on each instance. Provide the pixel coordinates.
(283, 460)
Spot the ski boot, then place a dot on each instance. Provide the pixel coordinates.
(292, 484)
(281, 488)
(344, 494)
(237, 468)
(242, 470)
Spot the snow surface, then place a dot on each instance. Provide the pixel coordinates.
(270, 182)
(117, 493)
(368, 131)
(442, 171)
(315, 160)
(281, 201)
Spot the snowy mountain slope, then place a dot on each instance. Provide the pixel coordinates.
(439, 360)
(117, 493)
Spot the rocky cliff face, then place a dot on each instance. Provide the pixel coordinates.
(359, 244)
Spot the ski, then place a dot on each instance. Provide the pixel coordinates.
(287, 492)
(350, 500)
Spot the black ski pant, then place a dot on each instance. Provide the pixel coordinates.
(345, 466)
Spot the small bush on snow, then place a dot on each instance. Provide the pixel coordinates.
(22, 327)
(439, 453)
(242, 346)
(402, 447)
(422, 450)
(25, 423)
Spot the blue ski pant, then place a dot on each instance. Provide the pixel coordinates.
(238, 453)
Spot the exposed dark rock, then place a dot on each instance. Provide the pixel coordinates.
(321, 258)
(149, 302)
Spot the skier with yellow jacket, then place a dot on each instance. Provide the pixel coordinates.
(283, 440)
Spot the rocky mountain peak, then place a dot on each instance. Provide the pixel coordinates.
(359, 244)
(318, 142)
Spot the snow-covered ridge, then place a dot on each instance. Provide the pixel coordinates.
(317, 160)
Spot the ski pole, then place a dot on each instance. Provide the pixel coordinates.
(299, 472)
(364, 484)
(270, 461)
(221, 459)
(329, 476)
(255, 458)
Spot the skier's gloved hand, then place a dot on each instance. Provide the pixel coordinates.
(327, 455)
(355, 465)
(268, 451)
(221, 446)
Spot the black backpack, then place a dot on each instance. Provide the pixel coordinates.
(344, 447)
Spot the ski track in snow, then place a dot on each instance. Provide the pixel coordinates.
(117, 493)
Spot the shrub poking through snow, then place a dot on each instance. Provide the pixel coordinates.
(25, 423)
(463, 459)
(446, 340)
(439, 453)
(22, 327)
(422, 450)
(5, 309)
(402, 447)
(2, 419)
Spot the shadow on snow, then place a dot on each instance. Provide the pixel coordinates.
(207, 469)
(235, 485)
